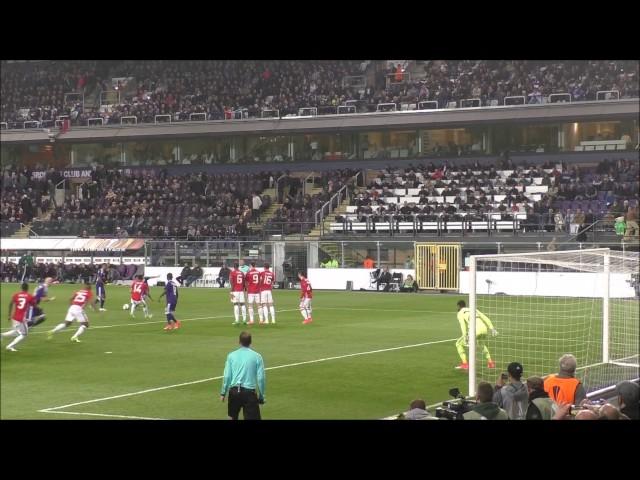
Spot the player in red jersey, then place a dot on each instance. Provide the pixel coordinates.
(139, 290)
(23, 302)
(306, 294)
(252, 279)
(236, 279)
(76, 312)
(267, 277)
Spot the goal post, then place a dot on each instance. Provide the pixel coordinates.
(546, 304)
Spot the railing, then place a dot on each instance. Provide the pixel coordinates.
(560, 97)
(31, 124)
(129, 120)
(308, 112)
(514, 100)
(470, 103)
(61, 118)
(386, 107)
(346, 109)
(95, 121)
(167, 118)
(269, 113)
(31, 232)
(608, 95)
(243, 113)
(428, 105)
(198, 117)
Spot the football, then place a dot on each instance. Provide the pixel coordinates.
(125, 306)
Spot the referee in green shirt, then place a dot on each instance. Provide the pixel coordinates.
(244, 381)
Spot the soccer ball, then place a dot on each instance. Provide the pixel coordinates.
(125, 306)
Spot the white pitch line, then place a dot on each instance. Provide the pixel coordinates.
(162, 321)
(149, 390)
(103, 415)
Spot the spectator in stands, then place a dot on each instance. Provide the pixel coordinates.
(629, 399)
(485, 409)
(540, 407)
(514, 396)
(564, 387)
(256, 204)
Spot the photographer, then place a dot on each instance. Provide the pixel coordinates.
(513, 397)
(417, 411)
(485, 409)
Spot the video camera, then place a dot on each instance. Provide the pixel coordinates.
(454, 409)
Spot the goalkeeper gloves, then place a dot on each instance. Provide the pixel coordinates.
(494, 332)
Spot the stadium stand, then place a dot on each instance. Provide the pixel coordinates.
(43, 93)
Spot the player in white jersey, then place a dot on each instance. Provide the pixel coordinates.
(267, 278)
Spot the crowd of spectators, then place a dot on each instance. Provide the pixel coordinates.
(196, 206)
(221, 89)
(573, 196)
(23, 197)
(559, 396)
(447, 81)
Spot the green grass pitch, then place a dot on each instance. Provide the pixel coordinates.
(365, 356)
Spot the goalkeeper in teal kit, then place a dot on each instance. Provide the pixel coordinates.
(483, 327)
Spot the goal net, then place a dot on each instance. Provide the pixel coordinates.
(546, 304)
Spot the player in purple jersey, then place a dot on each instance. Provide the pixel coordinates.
(171, 291)
(35, 315)
(101, 280)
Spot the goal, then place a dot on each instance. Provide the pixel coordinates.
(546, 304)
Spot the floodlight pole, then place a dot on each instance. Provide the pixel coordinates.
(605, 307)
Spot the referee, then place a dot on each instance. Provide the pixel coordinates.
(244, 380)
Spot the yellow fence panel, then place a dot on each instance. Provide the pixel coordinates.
(437, 266)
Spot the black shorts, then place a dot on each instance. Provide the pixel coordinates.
(245, 399)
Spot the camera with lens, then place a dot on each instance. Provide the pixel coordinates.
(454, 409)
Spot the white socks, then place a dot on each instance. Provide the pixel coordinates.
(265, 313)
(236, 312)
(10, 333)
(133, 309)
(251, 313)
(16, 341)
(260, 315)
(244, 313)
(60, 326)
(80, 331)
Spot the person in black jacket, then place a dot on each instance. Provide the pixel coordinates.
(385, 277)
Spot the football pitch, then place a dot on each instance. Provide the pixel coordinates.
(365, 356)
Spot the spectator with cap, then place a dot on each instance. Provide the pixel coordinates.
(540, 407)
(564, 387)
(514, 396)
(629, 398)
